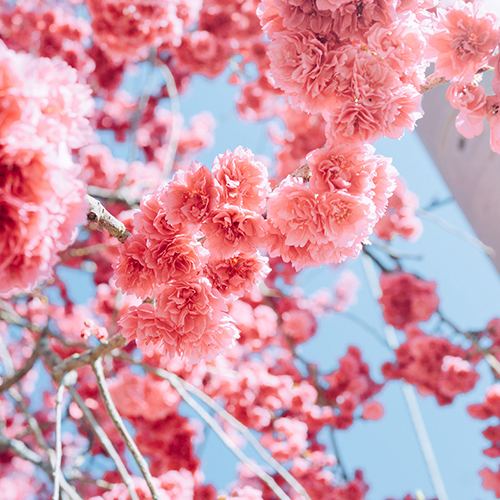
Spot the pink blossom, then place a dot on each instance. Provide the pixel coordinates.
(202, 52)
(243, 180)
(175, 257)
(147, 397)
(493, 117)
(407, 299)
(231, 230)
(292, 210)
(191, 196)
(491, 480)
(470, 100)
(140, 323)
(235, 275)
(195, 319)
(340, 167)
(131, 271)
(128, 27)
(306, 69)
(463, 40)
(433, 365)
(299, 325)
(152, 220)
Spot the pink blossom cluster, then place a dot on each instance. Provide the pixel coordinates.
(434, 365)
(358, 63)
(407, 299)
(42, 116)
(490, 408)
(195, 246)
(330, 219)
(127, 28)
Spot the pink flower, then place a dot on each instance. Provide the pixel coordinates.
(235, 275)
(491, 480)
(292, 210)
(231, 230)
(140, 323)
(306, 68)
(407, 299)
(243, 180)
(463, 40)
(128, 27)
(347, 218)
(131, 271)
(195, 319)
(174, 258)
(433, 365)
(470, 100)
(299, 325)
(152, 221)
(493, 117)
(191, 196)
(340, 167)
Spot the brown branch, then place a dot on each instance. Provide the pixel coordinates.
(19, 374)
(120, 427)
(99, 217)
(59, 367)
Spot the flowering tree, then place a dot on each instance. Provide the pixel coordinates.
(192, 265)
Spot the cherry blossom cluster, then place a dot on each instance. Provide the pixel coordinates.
(358, 63)
(195, 245)
(407, 299)
(43, 116)
(434, 365)
(329, 220)
(463, 40)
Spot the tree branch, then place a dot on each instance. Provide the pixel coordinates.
(106, 443)
(98, 216)
(120, 427)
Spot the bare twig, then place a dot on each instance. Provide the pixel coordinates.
(450, 228)
(265, 455)
(432, 81)
(409, 393)
(59, 368)
(68, 379)
(256, 469)
(99, 217)
(106, 443)
(21, 450)
(120, 426)
(336, 450)
(175, 106)
(19, 374)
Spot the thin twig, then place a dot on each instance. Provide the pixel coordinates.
(265, 455)
(19, 374)
(223, 436)
(175, 106)
(21, 450)
(68, 379)
(120, 426)
(375, 259)
(409, 393)
(106, 443)
(450, 228)
(86, 358)
(98, 216)
(336, 450)
(366, 326)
